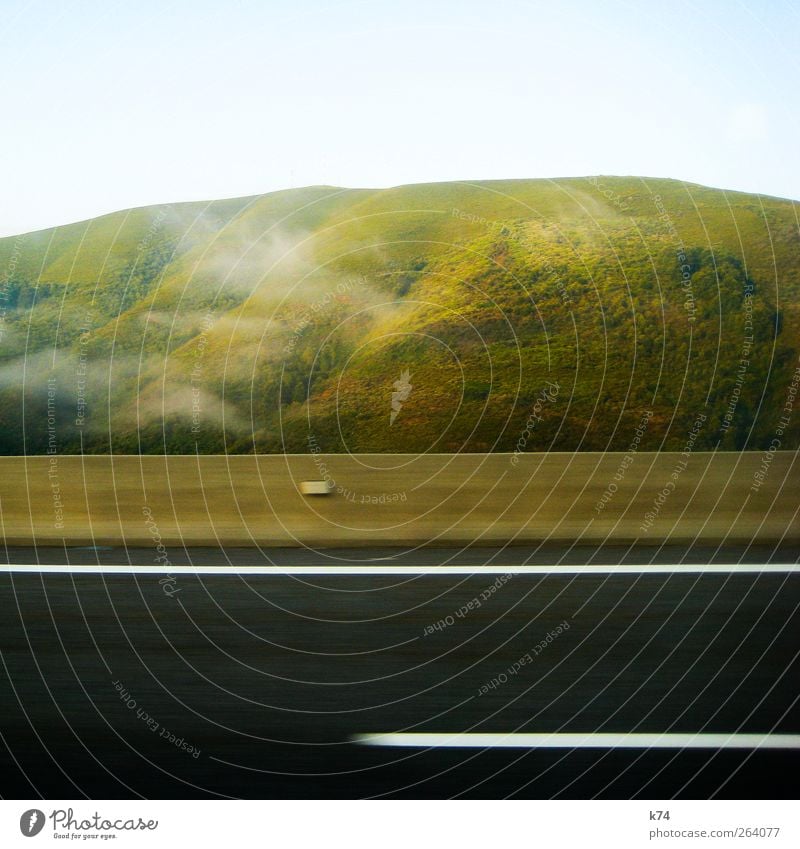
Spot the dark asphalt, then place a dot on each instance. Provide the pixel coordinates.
(270, 677)
(547, 554)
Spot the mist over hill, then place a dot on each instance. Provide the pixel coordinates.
(597, 313)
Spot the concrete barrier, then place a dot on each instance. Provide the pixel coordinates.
(399, 499)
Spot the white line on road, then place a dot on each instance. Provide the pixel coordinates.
(516, 740)
(371, 569)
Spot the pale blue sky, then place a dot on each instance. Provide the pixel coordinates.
(108, 104)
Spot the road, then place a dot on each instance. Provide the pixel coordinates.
(173, 684)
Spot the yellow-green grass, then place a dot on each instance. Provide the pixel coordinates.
(294, 313)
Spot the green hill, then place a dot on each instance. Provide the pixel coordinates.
(574, 314)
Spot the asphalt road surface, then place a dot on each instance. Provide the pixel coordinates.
(172, 684)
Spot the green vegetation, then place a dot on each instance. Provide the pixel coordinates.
(257, 323)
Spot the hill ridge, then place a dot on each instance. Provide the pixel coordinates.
(249, 324)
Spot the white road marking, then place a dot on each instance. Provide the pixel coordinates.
(372, 570)
(516, 740)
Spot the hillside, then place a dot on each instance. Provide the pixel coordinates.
(528, 315)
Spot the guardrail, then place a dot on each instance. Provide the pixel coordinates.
(399, 499)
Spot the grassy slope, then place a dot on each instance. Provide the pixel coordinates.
(244, 324)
